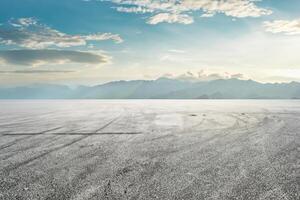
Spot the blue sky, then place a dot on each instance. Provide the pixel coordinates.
(95, 41)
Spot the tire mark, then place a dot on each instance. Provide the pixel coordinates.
(106, 125)
(12, 143)
(24, 138)
(162, 137)
(33, 134)
(102, 133)
(21, 150)
(20, 164)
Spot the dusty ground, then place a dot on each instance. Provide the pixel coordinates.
(149, 149)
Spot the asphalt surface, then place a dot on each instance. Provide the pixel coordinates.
(149, 149)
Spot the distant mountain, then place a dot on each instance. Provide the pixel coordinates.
(36, 91)
(162, 88)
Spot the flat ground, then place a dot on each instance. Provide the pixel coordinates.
(156, 149)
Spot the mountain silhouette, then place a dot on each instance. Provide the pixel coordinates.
(162, 88)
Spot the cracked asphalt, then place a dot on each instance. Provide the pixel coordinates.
(149, 149)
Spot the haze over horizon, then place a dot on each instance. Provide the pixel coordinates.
(91, 42)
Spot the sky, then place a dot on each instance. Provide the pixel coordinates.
(96, 41)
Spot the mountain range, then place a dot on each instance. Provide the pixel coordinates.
(162, 88)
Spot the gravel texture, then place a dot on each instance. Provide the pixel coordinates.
(149, 149)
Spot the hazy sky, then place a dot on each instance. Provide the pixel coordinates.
(95, 41)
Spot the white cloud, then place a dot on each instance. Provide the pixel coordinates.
(171, 18)
(181, 11)
(134, 10)
(203, 76)
(29, 33)
(208, 15)
(291, 27)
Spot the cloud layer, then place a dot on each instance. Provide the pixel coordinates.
(180, 11)
(171, 18)
(203, 76)
(49, 57)
(35, 71)
(286, 27)
(29, 33)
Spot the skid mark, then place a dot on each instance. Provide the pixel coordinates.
(29, 135)
(20, 164)
(11, 124)
(101, 133)
(162, 137)
(46, 131)
(13, 143)
(22, 150)
(106, 125)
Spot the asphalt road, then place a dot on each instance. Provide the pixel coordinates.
(149, 149)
